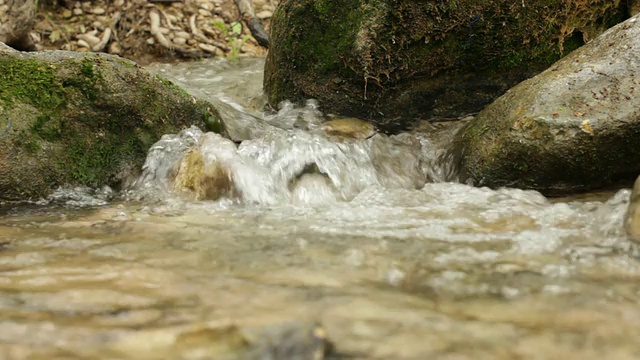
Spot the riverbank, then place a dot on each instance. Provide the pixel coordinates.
(146, 32)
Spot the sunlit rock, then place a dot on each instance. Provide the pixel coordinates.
(348, 128)
(573, 127)
(205, 181)
(632, 217)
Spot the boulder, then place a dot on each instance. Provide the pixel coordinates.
(396, 62)
(17, 18)
(575, 126)
(82, 119)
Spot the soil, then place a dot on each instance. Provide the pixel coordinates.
(186, 30)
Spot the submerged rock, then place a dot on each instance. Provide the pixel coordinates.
(397, 62)
(82, 119)
(576, 126)
(632, 217)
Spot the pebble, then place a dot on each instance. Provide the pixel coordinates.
(151, 41)
(67, 14)
(182, 34)
(208, 48)
(179, 41)
(77, 11)
(98, 25)
(264, 14)
(114, 48)
(98, 11)
(82, 43)
(204, 12)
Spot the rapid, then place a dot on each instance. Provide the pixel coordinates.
(298, 238)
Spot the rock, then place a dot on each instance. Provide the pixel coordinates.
(98, 11)
(208, 48)
(265, 14)
(179, 41)
(202, 181)
(351, 128)
(114, 48)
(182, 34)
(82, 119)
(16, 21)
(77, 11)
(576, 126)
(398, 61)
(632, 217)
(67, 14)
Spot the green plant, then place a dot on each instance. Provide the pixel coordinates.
(232, 33)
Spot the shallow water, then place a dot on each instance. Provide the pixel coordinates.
(354, 260)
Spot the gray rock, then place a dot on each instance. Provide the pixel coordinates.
(82, 119)
(576, 126)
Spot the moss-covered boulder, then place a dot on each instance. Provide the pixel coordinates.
(575, 126)
(397, 61)
(82, 119)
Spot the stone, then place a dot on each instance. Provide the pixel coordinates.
(179, 41)
(265, 14)
(82, 119)
(182, 34)
(78, 11)
(574, 127)
(396, 62)
(98, 11)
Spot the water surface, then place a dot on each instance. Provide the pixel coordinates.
(322, 248)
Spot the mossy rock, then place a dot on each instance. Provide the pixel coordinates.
(82, 119)
(399, 61)
(574, 127)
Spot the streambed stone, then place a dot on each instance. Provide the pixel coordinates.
(82, 119)
(576, 126)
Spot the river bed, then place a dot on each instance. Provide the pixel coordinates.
(358, 260)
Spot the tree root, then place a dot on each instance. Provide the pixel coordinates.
(253, 22)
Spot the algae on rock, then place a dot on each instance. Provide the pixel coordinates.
(397, 62)
(82, 119)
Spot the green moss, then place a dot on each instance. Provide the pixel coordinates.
(30, 81)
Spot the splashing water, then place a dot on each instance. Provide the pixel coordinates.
(295, 240)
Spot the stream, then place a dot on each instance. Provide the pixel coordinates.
(295, 241)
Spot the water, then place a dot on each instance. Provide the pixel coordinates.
(292, 243)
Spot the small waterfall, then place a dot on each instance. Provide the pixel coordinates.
(288, 157)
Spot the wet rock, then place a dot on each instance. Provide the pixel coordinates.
(350, 128)
(203, 180)
(573, 127)
(359, 58)
(632, 217)
(82, 119)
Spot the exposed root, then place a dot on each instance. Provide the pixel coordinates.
(202, 37)
(154, 21)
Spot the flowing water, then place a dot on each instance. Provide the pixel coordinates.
(297, 242)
